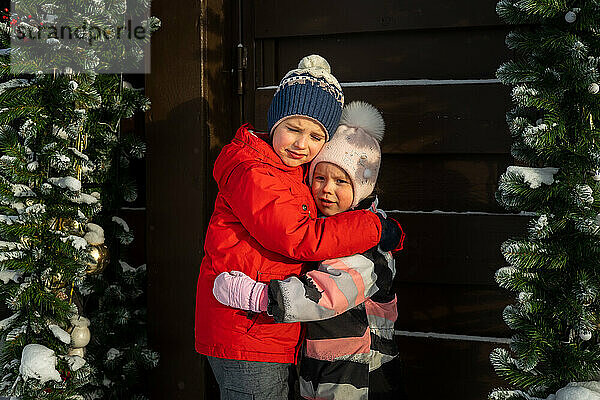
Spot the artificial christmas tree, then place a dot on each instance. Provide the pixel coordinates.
(61, 186)
(554, 269)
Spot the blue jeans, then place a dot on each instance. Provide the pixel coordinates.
(251, 380)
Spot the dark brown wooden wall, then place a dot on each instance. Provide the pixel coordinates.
(429, 66)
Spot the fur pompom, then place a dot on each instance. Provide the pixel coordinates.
(359, 114)
(314, 61)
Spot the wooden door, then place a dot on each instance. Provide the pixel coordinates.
(429, 66)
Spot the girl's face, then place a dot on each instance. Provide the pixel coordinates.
(297, 140)
(332, 189)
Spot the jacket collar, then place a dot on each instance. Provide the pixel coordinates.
(258, 143)
(251, 146)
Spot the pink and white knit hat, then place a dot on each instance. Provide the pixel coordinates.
(355, 148)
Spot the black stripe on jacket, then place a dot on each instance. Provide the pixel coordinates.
(352, 323)
(319, 371)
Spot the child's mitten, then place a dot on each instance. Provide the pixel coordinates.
(236, 289)
(392, 235)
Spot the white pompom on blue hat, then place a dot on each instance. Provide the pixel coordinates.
(310, 91)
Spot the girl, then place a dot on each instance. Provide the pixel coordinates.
(265, 225)
(350, 297)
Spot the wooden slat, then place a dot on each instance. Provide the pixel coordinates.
(457, 309)
(429, 119)
(276, 18)
(454, 248)
(441, 182)
(422, 54)
(446, 369)
(270, 68)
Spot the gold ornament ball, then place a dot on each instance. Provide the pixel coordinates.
(71, 226)
(100, 255)
(67, 225)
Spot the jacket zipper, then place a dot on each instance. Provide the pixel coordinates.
(253, 317)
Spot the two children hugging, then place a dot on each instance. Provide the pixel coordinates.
(350, 298)
(265, 225)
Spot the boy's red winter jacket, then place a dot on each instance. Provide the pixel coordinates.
(265, 224)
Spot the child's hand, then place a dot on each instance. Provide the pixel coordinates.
(236, 289)
(392, 235)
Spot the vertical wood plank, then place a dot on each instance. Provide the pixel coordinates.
(271, 72)
(177, 137)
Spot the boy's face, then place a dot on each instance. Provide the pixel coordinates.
(297, 140)
(332, 189)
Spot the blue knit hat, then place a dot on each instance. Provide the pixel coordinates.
(310, 91)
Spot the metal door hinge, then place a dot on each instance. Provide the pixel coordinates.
(242, 65)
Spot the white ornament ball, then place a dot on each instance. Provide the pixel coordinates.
(594, 88)
(80, 337)
(570, 17)
(585, 335)
(539, 121)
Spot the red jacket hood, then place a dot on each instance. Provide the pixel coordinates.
(248, 146)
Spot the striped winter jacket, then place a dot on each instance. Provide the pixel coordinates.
(353, 309)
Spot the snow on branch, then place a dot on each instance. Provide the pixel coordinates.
(534, 176)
